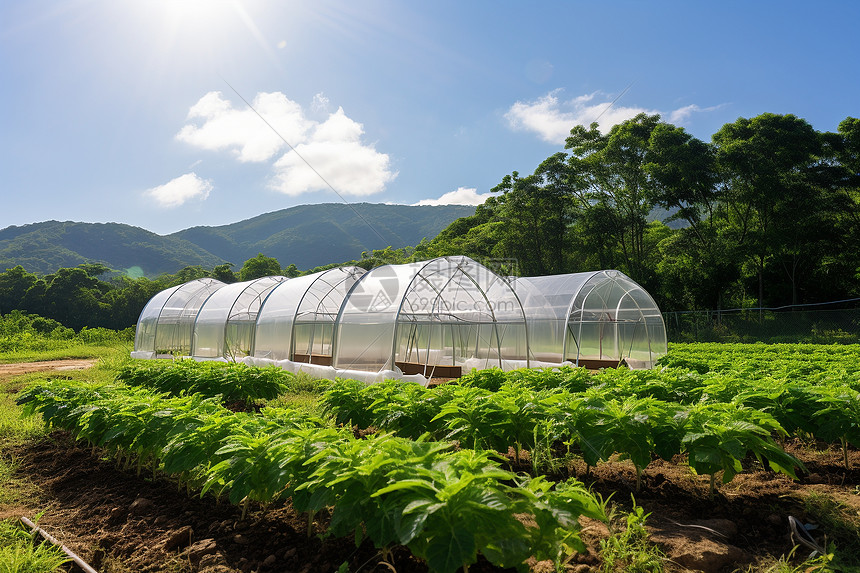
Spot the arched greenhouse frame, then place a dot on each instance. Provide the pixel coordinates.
(432, 319)
(226, 324)
(166, 324)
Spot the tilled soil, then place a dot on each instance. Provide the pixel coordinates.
(119, 521)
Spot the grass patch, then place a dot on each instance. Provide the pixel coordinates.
(841, 526)
(77, 350)
(303, 401)
(20, 553)
(14, 489)
(14, 428)
(627, 548)
(789, 564)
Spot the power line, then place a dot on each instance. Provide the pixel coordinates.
(615, 100)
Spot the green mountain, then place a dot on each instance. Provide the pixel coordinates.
(45, 247)
(307, 235)
(313, 235)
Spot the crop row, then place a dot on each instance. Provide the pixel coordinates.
(828, 410)
(234, 382)
(812, 363)
(595, 423)
(446, 506)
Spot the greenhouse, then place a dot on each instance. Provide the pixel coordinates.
(432, 319)
(226, 323)
(297, 321)
(595, 319)
(166, 324)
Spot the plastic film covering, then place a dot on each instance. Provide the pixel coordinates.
(417, 317)
(297, 320)
(144, 336)
(613, 318)
(174, 326)
(224, 327)
(547, 301)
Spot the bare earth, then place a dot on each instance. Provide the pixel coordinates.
(11, 370)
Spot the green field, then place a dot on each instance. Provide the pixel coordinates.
(483, 466)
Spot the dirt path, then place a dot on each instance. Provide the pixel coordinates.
(17, 369)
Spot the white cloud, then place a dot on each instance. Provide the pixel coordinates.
(462, 196)
(242, 130)
(282, 44)
(333, 147)
(682, 114)
(180, 190)
(552, 119)
(320, 103)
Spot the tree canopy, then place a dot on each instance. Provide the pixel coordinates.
(765, 214)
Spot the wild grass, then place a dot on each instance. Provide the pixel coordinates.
(71, 351)
(20, 553)
(627, 548)
(839, 525)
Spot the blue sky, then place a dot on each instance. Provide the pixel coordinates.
(122, 110)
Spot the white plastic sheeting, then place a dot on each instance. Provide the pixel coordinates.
(600, 317)
(166, 324)
(427, 315)
(423, 320)
(299, 315)
(226, 323)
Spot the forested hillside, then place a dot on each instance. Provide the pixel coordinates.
(307, 236)
(46, 247)
(314, 235)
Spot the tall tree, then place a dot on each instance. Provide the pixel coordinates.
(699, 262)
(614, 193)
(14, 283)
(536, 214)
(776, 209)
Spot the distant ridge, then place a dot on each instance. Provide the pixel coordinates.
(306, 235)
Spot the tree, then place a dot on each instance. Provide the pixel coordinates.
(14, 283)
(775, 207)
(259, 266)
(292, 271)
(536, 211)
(224, 273)
(95, 270)
(74, 298)
(190, 273)
(614, 193)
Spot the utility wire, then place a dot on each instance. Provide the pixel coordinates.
(324, 180)
(615, 100)
(800, 306)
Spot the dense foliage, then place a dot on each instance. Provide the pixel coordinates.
(446, 506)
(233, 382)
(595, 423)
(766, 214)
(22, 332)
